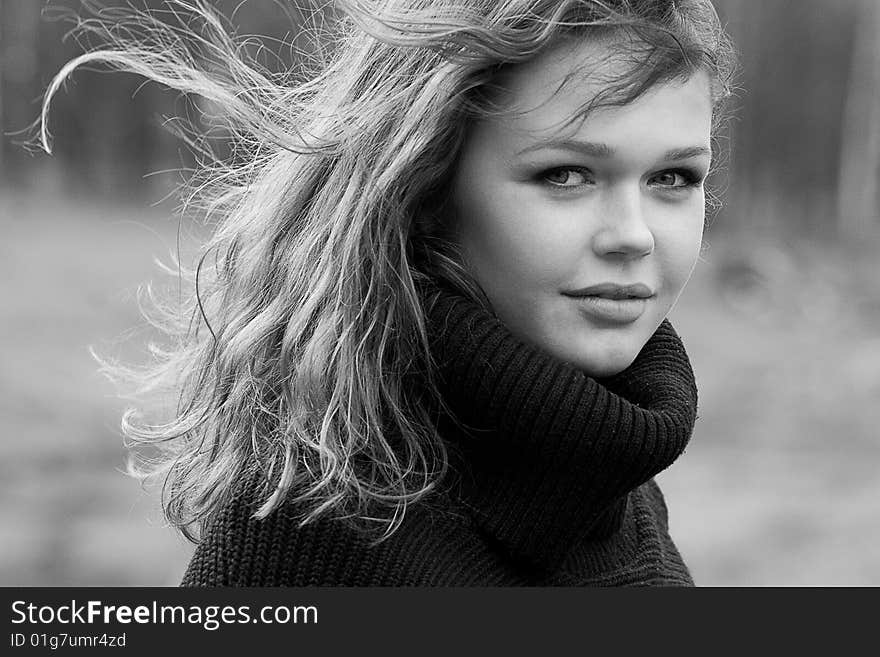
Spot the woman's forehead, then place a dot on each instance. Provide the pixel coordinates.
(670, 116)
(589, 65)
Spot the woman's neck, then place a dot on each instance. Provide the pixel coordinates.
(546, 454)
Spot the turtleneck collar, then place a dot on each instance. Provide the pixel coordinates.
(549, 454)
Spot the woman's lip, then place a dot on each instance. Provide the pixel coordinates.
(616, 311)
(613, 291)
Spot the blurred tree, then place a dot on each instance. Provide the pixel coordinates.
(19, 59)
(107, 129)
(858, 200)
(804, 139)
(787, 130)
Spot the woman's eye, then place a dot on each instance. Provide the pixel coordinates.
(675, 179)
(566, 177)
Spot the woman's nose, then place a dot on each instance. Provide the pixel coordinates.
(624, 231)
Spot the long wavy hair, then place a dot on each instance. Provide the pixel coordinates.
(301, 356)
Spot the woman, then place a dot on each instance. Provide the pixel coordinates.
(434, 348)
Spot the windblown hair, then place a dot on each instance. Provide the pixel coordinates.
(302, 356)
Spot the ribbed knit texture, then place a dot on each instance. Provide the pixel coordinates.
(553, 479)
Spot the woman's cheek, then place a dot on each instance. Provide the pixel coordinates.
(544, 242)
(681, 257)
(519, 241)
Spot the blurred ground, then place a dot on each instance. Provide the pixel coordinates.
(68, 516)
(780, 485)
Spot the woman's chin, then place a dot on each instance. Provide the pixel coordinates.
(598, 352)
(602, 364)
(605, 367)
(606, 354)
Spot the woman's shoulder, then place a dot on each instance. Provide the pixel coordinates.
(238, 549)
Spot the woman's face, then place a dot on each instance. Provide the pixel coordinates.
(583, 236)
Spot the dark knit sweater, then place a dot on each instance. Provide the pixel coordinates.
(554, 479)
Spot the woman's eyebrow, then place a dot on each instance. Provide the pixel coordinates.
(595, 149)
(685, 153)
(600, 150)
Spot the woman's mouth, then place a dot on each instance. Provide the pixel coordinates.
(613, 303)
(618, 311)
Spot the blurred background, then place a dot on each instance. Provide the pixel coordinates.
(781, 482)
